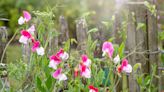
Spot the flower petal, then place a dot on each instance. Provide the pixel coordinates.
(116, 59)
(62, 77)
(40, 51)
(52, 64)
(21, 20)
(57, 73)
(31, 29)
(27, 16)
(23, 39)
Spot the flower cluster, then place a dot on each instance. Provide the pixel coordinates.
(55, 60)
(28, 35)
(108, 48)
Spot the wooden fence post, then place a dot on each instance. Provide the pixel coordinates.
(64, 31)
(81, 33)
(153, 41)
(130, 44)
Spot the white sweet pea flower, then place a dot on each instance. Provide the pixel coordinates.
(40, 51)
(64, 56)
(116, 59)
(127, 69)
(23, 39)
(52, 64)
(21, 20)
(62, 77)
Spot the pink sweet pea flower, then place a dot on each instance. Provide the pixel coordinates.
(107, 48)
(25, 36)
(62, 54)
(36, 47)
(84, 71)
(31, 29)
(26, 17)
(58, 75)
(54, 61)
(125, 67)
(86, 61)
(93, 89)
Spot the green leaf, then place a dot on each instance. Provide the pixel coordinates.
(49, 82)
(39, 84)
(147, 80)
(93, 30)
(121, 49)
(136, 67)
(100, 77)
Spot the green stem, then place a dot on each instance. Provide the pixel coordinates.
(3, 54)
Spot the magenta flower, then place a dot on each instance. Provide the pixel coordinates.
(84, 71)
(93, 89)
(54, 61)
(36, 47)
(86, 61)
(62, 54)
(25, 36)
(25, 18)
(59, 75)
(107, 48)
(125, 67)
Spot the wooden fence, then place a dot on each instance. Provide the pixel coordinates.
(142, 42)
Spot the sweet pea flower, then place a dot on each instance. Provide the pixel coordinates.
(84, 71)
(62, 54)
(25, 18)
(125, 66)
(86, 61)
(93, 89)
(36, 47)
(25, 36)
(59, 75)
(107, 48)
(116, 60)
(54, 61)
(31, 29)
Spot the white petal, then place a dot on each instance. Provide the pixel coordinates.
(62, 77)
(104, 53)
(23, 39)
(31, 29)
(127, 69)
(87, 63)
(91, 90)
(116, 59)
(40, 51)
(21, 20)
(87, 73)
(52, 64)
(65, 56)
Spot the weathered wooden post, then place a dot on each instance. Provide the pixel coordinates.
(130, 44)
(137, 40)
(81, 33)
(64, 31)
(153, 40)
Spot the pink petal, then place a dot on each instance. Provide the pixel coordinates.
(26, 33)
(52, 64)
(124, 62)
(55, 58)
(57, 73)
(60, 53)
(27, 16)
(84, 58)
(36, 45)
(108, 47)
